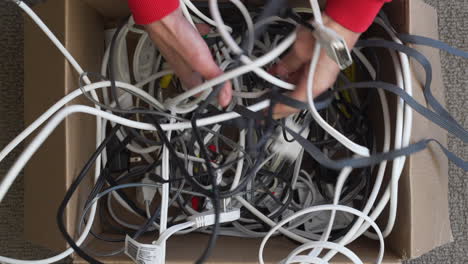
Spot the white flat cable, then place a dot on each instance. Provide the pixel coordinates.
(408, 122)
(294, 258)
(165, 194)
(354, 232)
(358, 149)
(344, 174)
(406, 136)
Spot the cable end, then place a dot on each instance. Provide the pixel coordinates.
(335, 45)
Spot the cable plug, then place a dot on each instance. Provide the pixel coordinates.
(147, 193)
(208, 218)
(334, 44)
(289, 150)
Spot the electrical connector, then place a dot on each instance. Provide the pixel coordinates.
(289, 150)
(147, 193)
(208, 218)
(334, 44)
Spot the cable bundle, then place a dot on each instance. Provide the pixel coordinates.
(237, 171)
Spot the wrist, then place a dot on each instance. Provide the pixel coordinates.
(148, 11)
(349, 36)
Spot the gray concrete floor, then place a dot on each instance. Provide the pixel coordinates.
(453, 27)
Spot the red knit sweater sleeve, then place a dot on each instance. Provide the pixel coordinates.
(147, 11)
(355, 15)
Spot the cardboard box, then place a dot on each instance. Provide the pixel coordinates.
(422, 222)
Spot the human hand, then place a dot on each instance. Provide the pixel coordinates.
(294, 66)
(186, 52)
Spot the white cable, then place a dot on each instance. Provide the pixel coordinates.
(270, 222)
(174, 104)
(358, 149)
(344, 174)
(292, 258)
(5, 152)
(324, 208)
(171, 231)
(197, 12)
(270, 56)
(62, 102)
(231, 43)
(399, 162)
(165, 170)
(406, 137)
(186, 13)
(353, 233)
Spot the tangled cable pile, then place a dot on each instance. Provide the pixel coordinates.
(315, 177)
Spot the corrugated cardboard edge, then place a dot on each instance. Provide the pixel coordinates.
(426, 220)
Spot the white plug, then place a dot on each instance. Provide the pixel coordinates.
(147, 193)
(283, 148)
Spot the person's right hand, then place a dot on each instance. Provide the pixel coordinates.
(186, 52)
(294, 66)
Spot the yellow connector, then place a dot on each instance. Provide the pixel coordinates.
(165, 81)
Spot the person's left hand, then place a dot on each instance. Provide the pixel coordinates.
(186, 52)
(294, 66)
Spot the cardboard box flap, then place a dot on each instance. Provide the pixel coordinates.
(423, 224)
(430, 182)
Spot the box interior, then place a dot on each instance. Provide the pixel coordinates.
(48, 77)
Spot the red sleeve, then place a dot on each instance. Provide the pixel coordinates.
(147, 11)
(355, 15)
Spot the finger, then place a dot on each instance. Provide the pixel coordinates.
(188, 77)
(325, 75)
(198, 56)
(300, 53)
(178, 34)
(225, 95)
(203, 29)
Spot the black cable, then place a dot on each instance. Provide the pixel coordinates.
(73, 187)
(110, 63)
